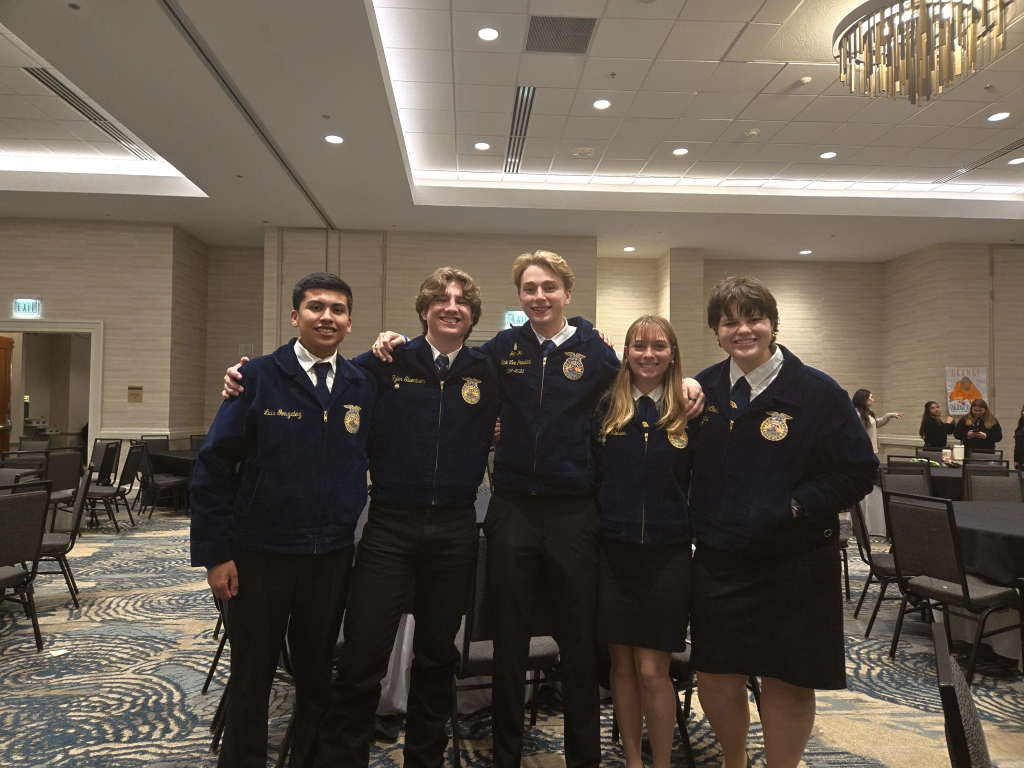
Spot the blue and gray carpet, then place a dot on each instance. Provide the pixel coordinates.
(118, 682)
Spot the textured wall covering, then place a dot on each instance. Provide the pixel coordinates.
(626, 289)
(187, 405)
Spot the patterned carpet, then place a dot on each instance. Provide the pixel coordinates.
(118, 683)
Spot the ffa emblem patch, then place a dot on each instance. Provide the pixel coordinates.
(352, 418)
(471, 391)
(775, 428)
(573, 366)
(679, 441)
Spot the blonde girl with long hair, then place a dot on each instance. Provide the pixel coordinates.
(979, 430)
(644, 456)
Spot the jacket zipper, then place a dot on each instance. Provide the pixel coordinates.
(323, 452)
(536, 439)
(437, 448)
(643, 494)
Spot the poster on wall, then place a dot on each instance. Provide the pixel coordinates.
(964, 385)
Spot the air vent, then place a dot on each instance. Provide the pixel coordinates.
(983, 161)
(521, 109)
(74, 101)
(559, 34)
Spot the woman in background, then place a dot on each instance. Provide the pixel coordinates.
(645, 452)
(862, 401)
(1018, 442)
(979, 429)
(933, 429)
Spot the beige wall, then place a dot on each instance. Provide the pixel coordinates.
(626, 289)
(37, 362)
(187, 400)
(1008, 325)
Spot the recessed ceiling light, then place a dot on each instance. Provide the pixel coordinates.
(805, 253)
(604, 104)
(998, 116)
(332, 139)
(804, 80)
(481, 145)
(1016, 161)
(629, 249)
(827, 155)
(680, 151)
(487, 34)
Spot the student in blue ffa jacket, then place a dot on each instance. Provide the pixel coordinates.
(542, 522)
(781, 452)
(277, 491)
(645, 452)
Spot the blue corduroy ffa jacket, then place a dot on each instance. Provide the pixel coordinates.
(545, 446)
(429, 440)
(799, 439)
(278, 473)
(644, 482)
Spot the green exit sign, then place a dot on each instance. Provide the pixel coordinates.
(28, 308)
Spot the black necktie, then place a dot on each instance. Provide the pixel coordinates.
(740, 396)
(322, 392)
(442, 366)
(547, 347)
(648, 411)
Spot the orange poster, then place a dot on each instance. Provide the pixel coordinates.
(963, 385)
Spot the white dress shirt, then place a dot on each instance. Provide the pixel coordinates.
(656, 394)
(451, 355)
(760, 377)
(307, 360)
(559, 338)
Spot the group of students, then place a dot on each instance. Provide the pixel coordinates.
(605, 473)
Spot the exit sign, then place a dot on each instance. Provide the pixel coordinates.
(28, 308)
(514, 317)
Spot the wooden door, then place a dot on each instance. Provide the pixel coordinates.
(6, 350)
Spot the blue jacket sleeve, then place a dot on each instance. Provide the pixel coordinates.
(369, 363)
(218, 475)
(845, 467)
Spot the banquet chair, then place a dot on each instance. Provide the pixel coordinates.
(34, 460)
(932, 454)
(34, 444)
(973, 471)
(23, 520)
(987, 454)
(965, 738)
(476, 651)
(57, 546)
(928, 560)
(916, 479)
(986, 487)
(157, 442)
(10, 475)
(112, 496)
(106, 455)
(195, 442)
(154, 484)
(880, 566)
(63, 469)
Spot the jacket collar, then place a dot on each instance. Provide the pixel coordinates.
(420, 347)
(584, 332)
(787, 388)
(344, 372)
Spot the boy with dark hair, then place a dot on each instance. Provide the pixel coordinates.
(277, 492)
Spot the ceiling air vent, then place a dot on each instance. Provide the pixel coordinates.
(74, 101)
(559, 34)
(521, 109)
(980, 162)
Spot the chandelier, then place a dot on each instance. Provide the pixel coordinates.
(915, 48)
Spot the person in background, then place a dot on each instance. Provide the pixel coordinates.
(644, 452)
(933, 429)
(780, 454)
(1018, 442)
(979, 429)
(862, 401)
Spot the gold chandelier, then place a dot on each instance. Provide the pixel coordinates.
(915, 48)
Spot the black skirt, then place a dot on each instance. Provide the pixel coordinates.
(644, 594)
(778, 617)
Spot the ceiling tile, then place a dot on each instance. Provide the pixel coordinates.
(583, 105)
(778, 153)
(485, 98)
(12, 56)
(716, 170)
(54, 107)
(481, 163)
(23, 147)
(691, 129)
(843, 154)
(766, 129)
(758, 170)
(424, 96)
(804, 133)
(716, 10)
(678, 76)
(540, 147)
(848, 173)
(546, 126)
(7, 132)
(573, 167)
(433, 5)
(486, 68)
(511, 29)
(1011, 61)
(620, 167)
(629, 38)
(431, 151)
(695, 150)
(111, 149)
(959, 138)
(980, 119)
(411, 28)
(655, 104)
(751, 42)
(858, 134)
(736, 77)
(40, 129)
(998, 139)
(466, 144)
(494, 6)
(788, 80)
(648, 129)
(892, 174)
(801, 171)
(876, 155)
(990, 176)
(777, 11)
(945, 113)
(20, 82)
(483, 123)
(16, 106)
(629, 74)
(881, 109)
(427, 120)
(566, 7)
(733, 151)
(590, 127)
(671, 167)
(776, 106)
(832, 108)
(926, 158)
(566, 146)
(419, 65)
(553, 101)
(535, 165)
(630, 149)
(713, 106)
(700, 40)
(968, 156)
(550, 70)
(907, 136)
(630, 9)
(985, 87)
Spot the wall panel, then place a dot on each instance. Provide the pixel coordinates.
(189, 281)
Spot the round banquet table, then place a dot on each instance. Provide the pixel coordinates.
(947, 483)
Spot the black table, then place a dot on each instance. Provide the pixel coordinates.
(180, 463)
(991, 537)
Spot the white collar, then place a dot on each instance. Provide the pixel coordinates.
(436, 354)
(559, 338)
(656, 394)
(757, 377)
(307, 359)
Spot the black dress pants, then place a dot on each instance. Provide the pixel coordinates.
(544, 545)
(414, 559)
(303, 596)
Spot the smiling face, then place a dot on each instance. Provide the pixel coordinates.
(448, 317)
(543, 297)
(746, 338)
(323, 321)
(648, 356)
